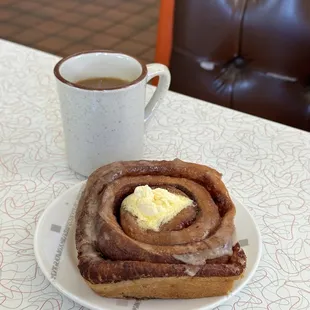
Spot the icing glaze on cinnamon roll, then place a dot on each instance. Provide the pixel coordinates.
(154, 207)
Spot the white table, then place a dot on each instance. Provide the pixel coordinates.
(265, 165)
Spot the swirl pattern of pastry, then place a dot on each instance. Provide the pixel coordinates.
(120, 258)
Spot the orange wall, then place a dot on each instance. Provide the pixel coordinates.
(164, 32)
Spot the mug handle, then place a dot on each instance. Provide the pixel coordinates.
(163, 73)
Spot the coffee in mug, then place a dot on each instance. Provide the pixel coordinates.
(102, 83)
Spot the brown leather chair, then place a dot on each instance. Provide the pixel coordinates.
(248, 55)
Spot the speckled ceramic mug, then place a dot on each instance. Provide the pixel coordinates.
(102, 126)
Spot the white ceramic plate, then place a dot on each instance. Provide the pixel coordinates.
(55, 252)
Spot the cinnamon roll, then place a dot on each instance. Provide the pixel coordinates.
(157, 229)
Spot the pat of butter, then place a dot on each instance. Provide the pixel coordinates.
(154, 207)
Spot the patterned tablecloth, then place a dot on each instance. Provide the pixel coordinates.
(265, 165)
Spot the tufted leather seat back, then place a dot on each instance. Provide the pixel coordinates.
(249, 55)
